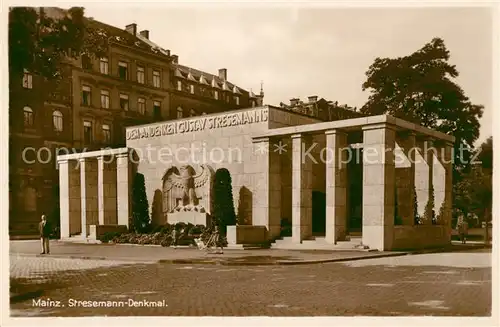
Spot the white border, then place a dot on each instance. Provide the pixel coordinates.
(251, 321)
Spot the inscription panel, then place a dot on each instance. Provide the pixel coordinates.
(199, 124)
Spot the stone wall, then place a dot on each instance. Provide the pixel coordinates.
(420, 236)
(219, 140)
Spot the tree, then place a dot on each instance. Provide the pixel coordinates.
(40, 39)
(420, 88)
(223, 199)
(474, 192)
(140, 207)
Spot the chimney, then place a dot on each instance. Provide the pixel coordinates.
(223, 74)
(175, 59)
(132, 29)
(294, 102)
(312, 98)
(145, 34)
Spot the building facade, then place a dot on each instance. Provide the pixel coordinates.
(278, 160)
(136, 82)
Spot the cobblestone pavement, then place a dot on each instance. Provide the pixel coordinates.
(456, 284)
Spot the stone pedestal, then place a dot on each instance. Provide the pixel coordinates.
(246, 235)
(301, 188)
(192, 217)
(378, 186)
(336, 179)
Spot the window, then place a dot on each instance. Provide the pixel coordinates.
(124, 101)
(192, 113)
(104, 66)
(28, 117)
(27, 80)
(253, 103)
(123, 70)
(237, 100)
(87, 132)
(179, 86)
(86, 62)
(157, 109)
(141, 105)
(106, 133)
(140, 74)
(57, 121)
(203, 113)
(179, 112)
(216, 95)
(105, 99)
(191, 88)
(86, 95)
(156, 78)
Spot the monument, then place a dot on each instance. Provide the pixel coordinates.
(187, 196)
(282, 165)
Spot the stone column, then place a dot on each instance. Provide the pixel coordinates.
(336, 180)
(443, 184)
(107, 190)
(83, 196)
(405, 177)
(448, 196)
(423, 171)
(64, 198)
(429, 158)
(89, 194)
(75, 199)
(301, 188)
(266, 206)
(378, 186)
(124, 188)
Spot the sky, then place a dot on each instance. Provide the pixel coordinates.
(298, 51)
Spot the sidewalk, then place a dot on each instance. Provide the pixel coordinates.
(158, 254)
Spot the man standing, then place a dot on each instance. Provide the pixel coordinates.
(44, 229)
(462, 229)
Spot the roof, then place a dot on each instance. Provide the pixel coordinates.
(114, 34)
(214, 80)
(123, 37)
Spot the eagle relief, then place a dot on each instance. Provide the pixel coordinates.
(185, 190)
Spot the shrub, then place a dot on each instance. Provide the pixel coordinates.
(140, 207)
(223, 199)
(109, 236)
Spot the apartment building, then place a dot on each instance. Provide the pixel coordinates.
(136, 82)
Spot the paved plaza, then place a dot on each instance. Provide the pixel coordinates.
(441, 284)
